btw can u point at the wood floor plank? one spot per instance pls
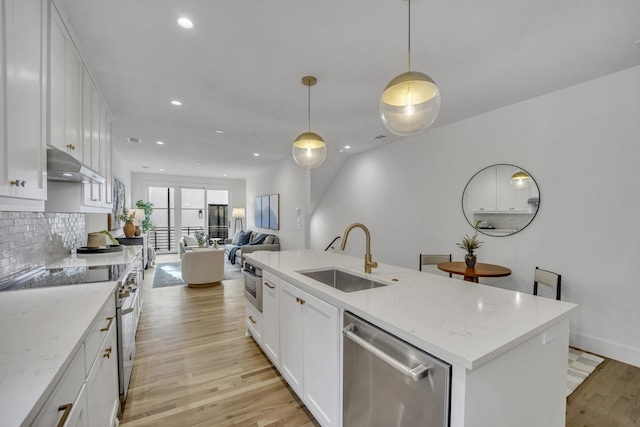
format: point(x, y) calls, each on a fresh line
point(194, 365)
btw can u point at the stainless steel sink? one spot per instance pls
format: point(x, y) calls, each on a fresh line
point(341, 280)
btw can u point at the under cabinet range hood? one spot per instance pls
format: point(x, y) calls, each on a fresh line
point(65, 168)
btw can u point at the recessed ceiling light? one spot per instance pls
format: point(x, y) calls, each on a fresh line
point(160, 142)
point(224, 174)
point(256, 154)
point(176, 102)
point(341, 151)
point(347, 147)
point(161, 170)
point(185, 22)
point(219, 131)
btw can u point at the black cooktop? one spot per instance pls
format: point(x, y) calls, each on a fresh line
point(47, 277)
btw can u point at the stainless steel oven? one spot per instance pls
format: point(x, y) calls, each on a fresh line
point(253, 285)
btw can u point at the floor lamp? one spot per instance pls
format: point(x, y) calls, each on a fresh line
point(238, 214)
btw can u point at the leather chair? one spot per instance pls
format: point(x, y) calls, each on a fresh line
point(203, 268)
point(426, 259)
point(547, 278)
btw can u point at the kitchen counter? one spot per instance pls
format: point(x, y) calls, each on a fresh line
point(40, 329)
point(465, 324)
point(126, 256)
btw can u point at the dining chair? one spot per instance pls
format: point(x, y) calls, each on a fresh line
point(547, 278)
point(430, 259)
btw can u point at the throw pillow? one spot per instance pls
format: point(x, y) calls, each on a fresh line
point(234, 241)
point(269, 240)
point(190, 240)
point(244, 238)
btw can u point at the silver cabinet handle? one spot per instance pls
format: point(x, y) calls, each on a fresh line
point(126, 311)
point(416, 374)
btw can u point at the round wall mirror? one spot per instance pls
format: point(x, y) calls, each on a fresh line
point(501, 200)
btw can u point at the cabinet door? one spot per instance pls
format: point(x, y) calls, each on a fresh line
point(482, 191)
point(102, 384)
point(87, 117)
point(270, 317)
point(511, 199)
point(23, 158)
point(291, 336)
point(57, 67)
point(73, 101)
point(321, 360)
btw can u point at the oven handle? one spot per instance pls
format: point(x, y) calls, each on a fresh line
point(416, 374)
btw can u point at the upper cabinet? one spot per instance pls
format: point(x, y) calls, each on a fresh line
point(65, 89)
point(23, 90)
point(79, 121)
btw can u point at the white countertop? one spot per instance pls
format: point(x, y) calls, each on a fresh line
point(460, 322)
point(126, 256)
point(40, 329)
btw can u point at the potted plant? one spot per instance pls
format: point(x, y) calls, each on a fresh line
point(470, 244)
point(129, 229)
point(201, 238)
point(146, 223)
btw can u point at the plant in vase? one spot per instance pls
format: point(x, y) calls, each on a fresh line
point(128, 218)
point(470, 244)
point(146, 223)
point(201, 238)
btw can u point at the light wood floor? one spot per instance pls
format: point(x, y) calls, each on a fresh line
point(195, 367)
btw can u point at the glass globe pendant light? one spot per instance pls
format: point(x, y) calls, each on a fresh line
point(309, 149)
point(520, 180)
point(411, 101)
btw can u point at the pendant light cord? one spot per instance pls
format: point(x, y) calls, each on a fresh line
point(409, 38)
point(309, 108)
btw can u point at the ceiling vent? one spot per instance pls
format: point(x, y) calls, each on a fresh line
point(134, 140)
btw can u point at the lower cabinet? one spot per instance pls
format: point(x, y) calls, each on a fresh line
point(310, 351)
point(253, 321)
point(271, 317)
point(102, 383)
point(87, 394)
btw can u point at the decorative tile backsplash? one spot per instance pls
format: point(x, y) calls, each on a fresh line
point(29, 239)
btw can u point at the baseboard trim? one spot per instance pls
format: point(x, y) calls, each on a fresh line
point(605, 348)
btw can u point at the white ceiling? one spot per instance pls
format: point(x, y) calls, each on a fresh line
point(239, 68)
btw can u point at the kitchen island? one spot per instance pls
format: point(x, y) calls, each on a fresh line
point(507, 349)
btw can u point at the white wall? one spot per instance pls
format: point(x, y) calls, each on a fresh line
point(292, 183)
point(581, 144)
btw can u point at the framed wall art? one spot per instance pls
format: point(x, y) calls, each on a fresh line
point(274, 211)
point(267, 213)
point(118, 204)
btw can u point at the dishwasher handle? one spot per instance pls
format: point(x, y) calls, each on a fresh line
point(416, 374)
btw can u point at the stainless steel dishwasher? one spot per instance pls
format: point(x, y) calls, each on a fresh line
point(388, 382)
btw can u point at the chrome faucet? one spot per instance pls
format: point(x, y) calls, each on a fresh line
point(368, 264)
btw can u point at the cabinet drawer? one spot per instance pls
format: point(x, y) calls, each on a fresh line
point(253, 319)
point(269, 279)
point(65, 394)
point(103, 399)
point(98, 332)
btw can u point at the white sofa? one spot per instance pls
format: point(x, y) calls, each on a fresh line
point(271, 243)
point(202, 268)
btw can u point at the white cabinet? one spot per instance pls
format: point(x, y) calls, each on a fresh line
point(65, 89)
point(481, 192)
point(88, 394)
point(102, 383)
point(310, 351)
point(270, 317)
point(253, 321)
point(23, 90)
